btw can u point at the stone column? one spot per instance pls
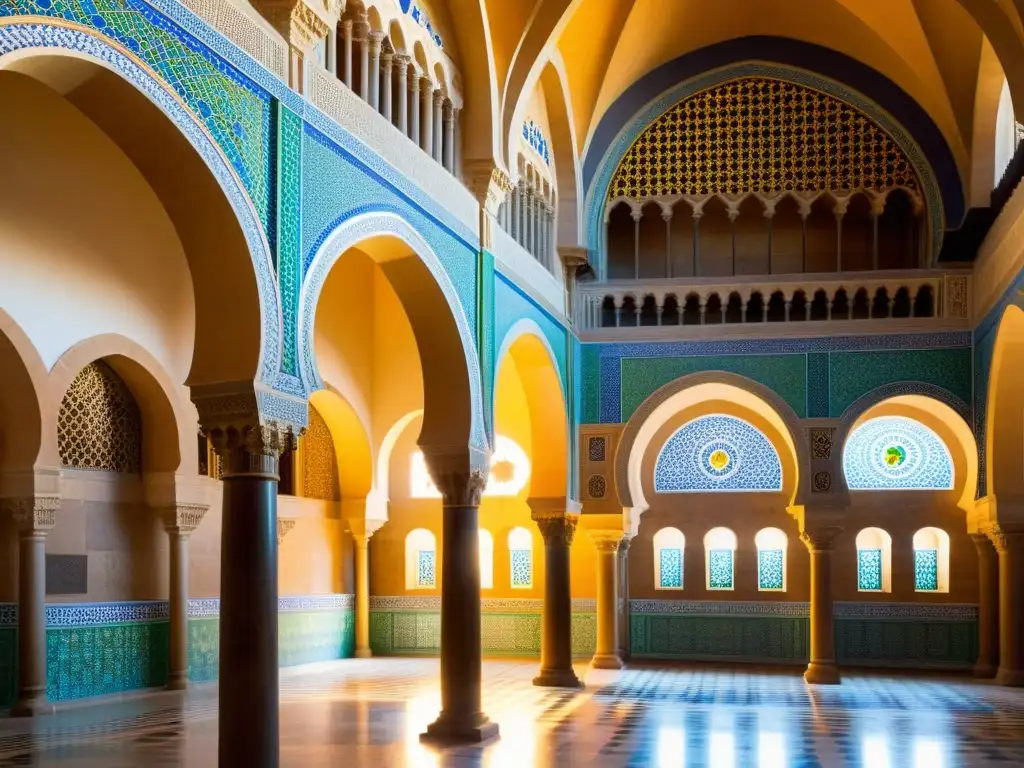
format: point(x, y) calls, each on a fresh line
point(376, 38)
point(988, 606)
point(449, 143)
point(557, 527)
point(34, 516)
point(414, 108)
point(248, 724)
point(1010, 546)
point(437, 149)
point(386, 62)
point(346, 37)
point(822, 668)
point(518, 198)
point(623, 586)
point(331, 54)
point(461, 718)
point(402, 62)
point(528, 216)
point(361, 530)
point(426, 115)
point(362, 32)
point(606, 655)
point(179, 522)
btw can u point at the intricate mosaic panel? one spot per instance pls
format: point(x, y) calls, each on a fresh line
point(907, 642)
point(869, 570)
point(425, 576)
point(320, 479)
point(522, 567)
point(720, 569)
point(894, 452)
point(746, 638)
point(760, 134)
point(926, 570)
point(596, 487)
point(288, 230)
point(717, 453)
point(99, 425)
point(670, 568)
point(596, 448)
point(771, 569)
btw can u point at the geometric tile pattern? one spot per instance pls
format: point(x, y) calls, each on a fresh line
point(869, 570)
point(522, 567)
point(917, 644)
point(288, 230)
point(425, 574)
point(671, 568)
point(99, 425)
point(926, 570)
point(720, 569)
point(746, 638)
point(770, 569)
point(894, 452)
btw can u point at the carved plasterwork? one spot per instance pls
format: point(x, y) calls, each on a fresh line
point(606, 541)
point(556, 528)
point(820, 539)
point(183, 519)
point(489, 184)
point(302, 25)
point(821, 442)
point(33, 514)
point(284, 525)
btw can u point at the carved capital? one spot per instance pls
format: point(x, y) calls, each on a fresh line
point(1007, 541)
point(300, 24)
point(606, 541)
point(983, 544)
point(362, 529)
point(821, 539)
point(182, 519)
point(459, 474)
point(376, 38)
point(34, 515)
point(284, 525)
point(488, 183)
point(449, 111)
point(557, 528)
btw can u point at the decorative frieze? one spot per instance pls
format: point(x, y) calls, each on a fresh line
point(383, 604)
point(183, 519)
point(909, 611)
point(32, 514)
point(720, 608)
point(209, 607)
point(97, 614)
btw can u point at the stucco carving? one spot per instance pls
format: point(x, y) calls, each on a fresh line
point(284, 526)
point(33, 515)
point(820, 539)
point(183, 519)
point(557, 528)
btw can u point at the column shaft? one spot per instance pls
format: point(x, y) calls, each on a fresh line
point(449, 144)
point(606, 655)
point(32, 699)
point(387, 62)
point(1010, 546)
point(177, 678)
point(414, 108)
point(374, 42)
point(556, 629)
point(346, 36)
point(988, 607)
point(403, 94)
point(822, 668)
point(362, 597)
point(623, 607)
point(426, 115)
point(364, 62)
point(528, 242)
point(438, 147)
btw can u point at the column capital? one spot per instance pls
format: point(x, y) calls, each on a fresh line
point(605, 540)
point(183, 518)
point(284, 525)
point(34, 515)
point(488, 182)
point(820, 538)
point(572, 256)
point(346, 29)
point(624, 545)
point(449, 112)
point(1007, 540)
point(301, 25)
point(438, 97)
point(386, 61)
point(362, 529)
point(426, 83)
point(983, 544)
point(414, 82)
point(376, 38)
point(556, 523)
point(459, 474)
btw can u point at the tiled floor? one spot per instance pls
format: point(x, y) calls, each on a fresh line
point(371, 712)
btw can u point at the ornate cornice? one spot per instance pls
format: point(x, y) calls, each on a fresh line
point(183, 519)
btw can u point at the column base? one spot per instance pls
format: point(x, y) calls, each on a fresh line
point(557, 678)
point(178, 681)
point(606, 661)
point(822, 674)
point(363, 653)
point(451, 730)
point(984, 670)
point(1010, 677)
point(32, 708)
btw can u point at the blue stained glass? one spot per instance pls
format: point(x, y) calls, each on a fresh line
point(770, 572)
point(720, 569)
point(670, 568)
point(522, 567)
point(926, 570)
point(425, 576)
point(894, 452)
point(869, 570)
point(717, 453)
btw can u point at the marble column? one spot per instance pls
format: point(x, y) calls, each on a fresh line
point(988, 606)
point(623, 606)
point(528, 216)
point(375, 40)
point(248, 723)
point(822, 668)
point(458, 144)
point(606, 656)
point(426, 115)
point(362, 530)
point(386, 63)
point(34, 516)
point(1010, 546)
point(414, 107)
point(362, 33)
point(346, 37)
point(518, 197)
point(462, 718)
point(438, 148)
point(180, 520)
point(402, 63)
point(558, 529)
point(331, 54)
point(449, 140)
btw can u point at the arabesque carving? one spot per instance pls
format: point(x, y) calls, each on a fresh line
point(33, 514)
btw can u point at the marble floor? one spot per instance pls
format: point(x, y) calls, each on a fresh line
point(371, 712)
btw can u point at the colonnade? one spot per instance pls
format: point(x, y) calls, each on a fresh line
point(392, 83)
point(529, 217)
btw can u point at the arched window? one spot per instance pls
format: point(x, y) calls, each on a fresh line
point(420, 560)
point(717, 453)
point(874, 561)
point(669, 545)
point(509, 474)
point(719, 548)
point(486, 559)
point(771, 560)
point(931, 560)
point(520, 550)
point(896, 453)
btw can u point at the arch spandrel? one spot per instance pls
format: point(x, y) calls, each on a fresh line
point(23, 387)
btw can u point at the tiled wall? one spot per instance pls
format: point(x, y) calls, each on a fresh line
point(907, 635)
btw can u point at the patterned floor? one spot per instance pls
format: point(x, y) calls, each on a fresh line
point(371, 712)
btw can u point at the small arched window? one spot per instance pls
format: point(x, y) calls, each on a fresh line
point(520, 551)
point(931, 560)
point(771, 560)
point(719, 551)
point(669, 545)
point(420, 560)
point(874, 561)
point(486, 559)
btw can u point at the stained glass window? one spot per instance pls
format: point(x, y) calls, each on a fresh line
point(720, 569)
point(894, 452)
point(425, 575)
point(770, 569)
point(926, 570)
point(717, 453)
point(671, 571)
point(522, 568)
point(869, 570)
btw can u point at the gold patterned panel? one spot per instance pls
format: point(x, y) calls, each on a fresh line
point(760, 135)
point(320, 460)
point(99, 425)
